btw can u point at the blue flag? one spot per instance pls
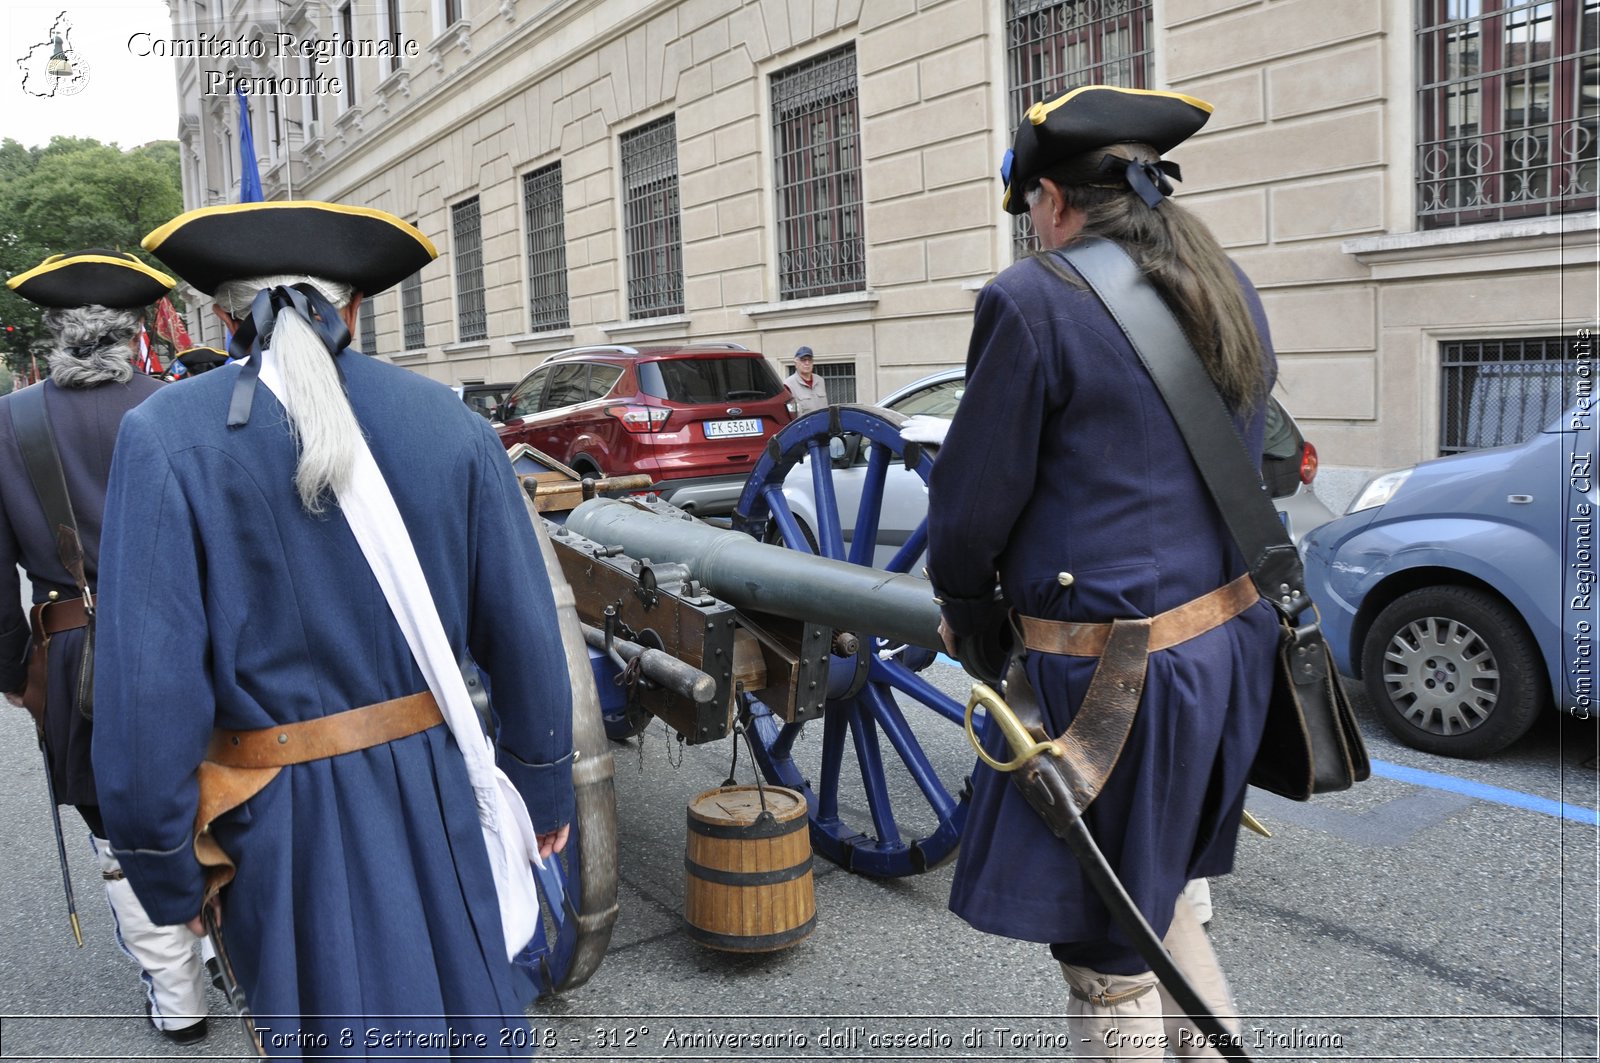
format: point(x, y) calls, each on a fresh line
point(249, 174)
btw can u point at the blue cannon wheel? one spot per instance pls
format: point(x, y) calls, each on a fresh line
point(879, 805)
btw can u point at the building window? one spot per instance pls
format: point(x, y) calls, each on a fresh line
point(414, 334)
point(472, 322)
point(275, 114)
point(368, 324)
point(650, 219)
point(391, 11)
point(347, 28)
point(452, 12)
point(547, 248)
point(816, 139)
point(841, 380)
point(1507, 109)
point(1498, 392)
point(313, 111)
point(1057, 45)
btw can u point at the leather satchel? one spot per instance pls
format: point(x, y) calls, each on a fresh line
point(1311, 743)
point(37, 443)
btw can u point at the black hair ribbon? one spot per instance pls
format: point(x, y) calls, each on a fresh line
point(1147, 179)
point(255, 332)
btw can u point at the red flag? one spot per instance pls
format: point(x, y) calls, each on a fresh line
point(148, 362)
point(169, 326)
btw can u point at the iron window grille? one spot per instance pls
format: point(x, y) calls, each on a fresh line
point(1508, 99)
point(392, 17)
point(347, 26)
point(1056, 45)
point(840, 378)
point(543, 211)
point(816, 137)
point(369, 327)
point(1499, 392)
point(472, 321)
point(414, 332)
point(650, 219)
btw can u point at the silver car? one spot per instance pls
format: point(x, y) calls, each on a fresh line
point(1288, 466)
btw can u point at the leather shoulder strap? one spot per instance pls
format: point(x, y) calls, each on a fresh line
point(37, 443)
point(1229, 472)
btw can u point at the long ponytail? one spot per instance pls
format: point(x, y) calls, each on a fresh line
point(324, 426)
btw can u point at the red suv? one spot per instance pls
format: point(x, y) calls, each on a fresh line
point(694, 416)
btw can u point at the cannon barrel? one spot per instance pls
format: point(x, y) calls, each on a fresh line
point(765, 578)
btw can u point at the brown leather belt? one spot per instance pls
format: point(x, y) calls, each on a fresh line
point(63, 614)
point(239, 764)
point(1093, 741)
point(1168, 629)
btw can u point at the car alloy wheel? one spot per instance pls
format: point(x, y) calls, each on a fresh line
point(1453, 670)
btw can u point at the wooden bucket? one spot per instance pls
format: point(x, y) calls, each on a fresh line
point(749, 885)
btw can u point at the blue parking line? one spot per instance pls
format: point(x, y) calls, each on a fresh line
point(1484, 792)
point(1434, 780)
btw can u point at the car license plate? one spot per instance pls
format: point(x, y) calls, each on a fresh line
point(746, 426)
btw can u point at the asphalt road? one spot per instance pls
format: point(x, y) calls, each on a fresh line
point(1449, 916)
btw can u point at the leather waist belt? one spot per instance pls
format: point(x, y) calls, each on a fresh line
point(1168, 629)
point(329, 736)
point(63, 614)
point(239, 764)
point(1093, 741)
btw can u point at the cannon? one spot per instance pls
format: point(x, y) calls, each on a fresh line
point(769, 626)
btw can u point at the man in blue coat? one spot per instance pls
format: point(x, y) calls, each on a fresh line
point(94, 303)
point(362, 917)
point(1065, 477)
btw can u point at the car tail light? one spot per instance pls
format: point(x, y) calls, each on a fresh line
point(1308, 464)
point(640, 420)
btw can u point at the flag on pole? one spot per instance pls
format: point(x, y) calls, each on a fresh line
point(169, 325)
point(148, 362)
point(249, 173)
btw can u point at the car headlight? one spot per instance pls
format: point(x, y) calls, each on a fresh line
point(1379, 490)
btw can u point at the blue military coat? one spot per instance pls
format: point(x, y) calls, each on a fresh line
point(84, 422)
point(1065, 458)
point(364, 892)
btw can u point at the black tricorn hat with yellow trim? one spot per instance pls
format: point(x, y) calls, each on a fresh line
point(1055, 132)
point(199, 359)
point(92, 277)
point(368, 249)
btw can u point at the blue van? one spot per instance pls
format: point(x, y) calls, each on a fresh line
point(1461, 591)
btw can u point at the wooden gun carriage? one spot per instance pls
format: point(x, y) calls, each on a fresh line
point(764, 627)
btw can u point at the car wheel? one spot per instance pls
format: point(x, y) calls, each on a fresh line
point(587, 469)
point(1453, 671)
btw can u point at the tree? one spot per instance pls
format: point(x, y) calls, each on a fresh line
point(72, 194)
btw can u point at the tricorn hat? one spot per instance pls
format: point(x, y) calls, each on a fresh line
point(1094, 116)
point(199, 359)
point(92, 277)
point(368, 249)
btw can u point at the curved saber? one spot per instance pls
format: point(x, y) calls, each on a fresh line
point(1038, 771)
point(230, 984)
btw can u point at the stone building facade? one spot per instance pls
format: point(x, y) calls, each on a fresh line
point(1410, 183)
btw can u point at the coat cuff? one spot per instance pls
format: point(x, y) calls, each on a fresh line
point(171, 885)
point(14, 643)
point(545, 788)
point(968, 616)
